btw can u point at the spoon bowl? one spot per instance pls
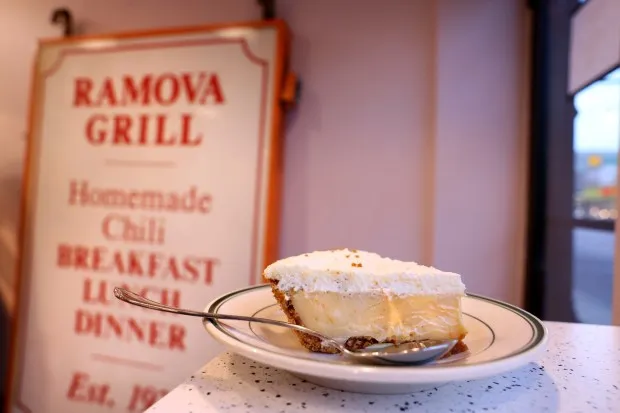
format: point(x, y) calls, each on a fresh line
point(408, 353)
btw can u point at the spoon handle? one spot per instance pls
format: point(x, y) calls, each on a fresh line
point(135, 299)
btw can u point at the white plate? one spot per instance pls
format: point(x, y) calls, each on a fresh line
point(501, 338)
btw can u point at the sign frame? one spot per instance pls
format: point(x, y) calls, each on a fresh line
point(281, 97)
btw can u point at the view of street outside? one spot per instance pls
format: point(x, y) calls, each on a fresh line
point(596, 142)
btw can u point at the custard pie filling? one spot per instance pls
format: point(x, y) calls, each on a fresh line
point(385, 318)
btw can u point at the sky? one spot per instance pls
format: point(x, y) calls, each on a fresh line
point(597, 124)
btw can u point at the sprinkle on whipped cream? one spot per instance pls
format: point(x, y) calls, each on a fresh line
point(355, 271)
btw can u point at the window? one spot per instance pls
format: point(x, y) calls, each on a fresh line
point(595, 144)
point(596, 137)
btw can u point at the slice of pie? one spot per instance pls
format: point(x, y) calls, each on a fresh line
point(361, 299)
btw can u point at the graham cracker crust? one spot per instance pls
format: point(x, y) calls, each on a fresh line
point(313, 343)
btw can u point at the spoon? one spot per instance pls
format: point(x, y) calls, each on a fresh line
point(410, 353)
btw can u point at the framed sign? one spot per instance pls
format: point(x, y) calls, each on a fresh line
point(153, 163)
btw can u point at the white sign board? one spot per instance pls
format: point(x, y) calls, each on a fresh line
point(153, 164)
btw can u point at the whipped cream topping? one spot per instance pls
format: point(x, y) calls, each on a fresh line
point(355, 271)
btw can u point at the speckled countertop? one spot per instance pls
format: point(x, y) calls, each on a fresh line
point(580, 372)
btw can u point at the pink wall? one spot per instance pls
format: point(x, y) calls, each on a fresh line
point(355, 148)
point(480, 151)
point(406, 142)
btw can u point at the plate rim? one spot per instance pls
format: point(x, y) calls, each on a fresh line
point(386, 374)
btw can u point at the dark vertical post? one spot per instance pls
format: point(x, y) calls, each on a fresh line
point(535, 261)
point(550, 208)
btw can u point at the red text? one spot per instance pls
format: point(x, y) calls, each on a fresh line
point(101, 292)
point(117, 227)
point(156, 334)
point(165, 89)
point(141, 130)
point(191, 201)
point(143, 397)
point(82, 389)
point(141, 264)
